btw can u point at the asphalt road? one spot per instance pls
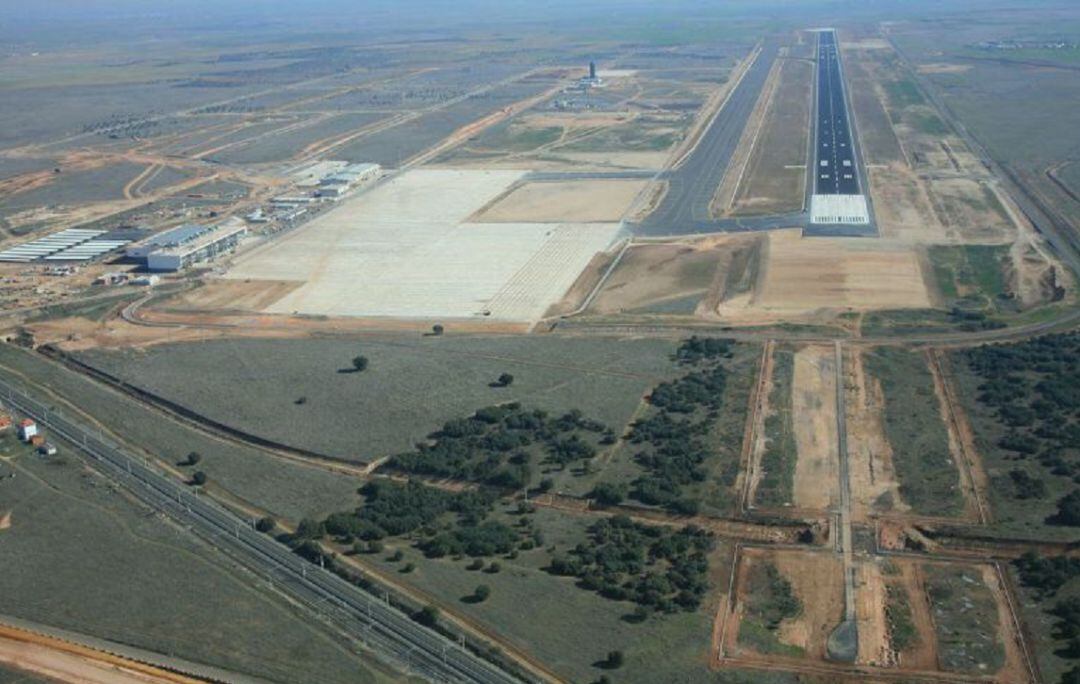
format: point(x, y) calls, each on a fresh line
point(382, 628)
point(691, 186)
point(834, 164)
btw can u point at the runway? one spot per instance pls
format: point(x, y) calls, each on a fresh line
point(684, 210)
point(685, 207)
point(834, 164)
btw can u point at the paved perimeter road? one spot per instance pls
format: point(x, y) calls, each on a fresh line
point(384, 629)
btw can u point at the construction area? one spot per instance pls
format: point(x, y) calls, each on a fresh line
point(406, 250)
point(708, 353)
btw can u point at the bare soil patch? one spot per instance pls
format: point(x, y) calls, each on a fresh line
point(817, 579)
point(813, 405)
point(804, 275)
point(653, 274)
point(61, 666)
point(234, 295)
point(588, 201)
point(874, 485)
point(584, 285)
point(870, 600)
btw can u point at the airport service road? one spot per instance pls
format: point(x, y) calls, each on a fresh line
point(382, 628)
point(692, 185)
point(834, 164)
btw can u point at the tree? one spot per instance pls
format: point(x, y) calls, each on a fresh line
point(614, 660)
point(193, 458)
point(493, 568)
point(505, 380)
point(266, 524)
point(1068, 510)
point(607, 494)
point(199, 478)
point(481, 593)
point(437, 329)
point(427, 616)
point(359, 363)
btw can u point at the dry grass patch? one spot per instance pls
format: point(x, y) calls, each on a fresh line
point(590, 201)
point(805, 275)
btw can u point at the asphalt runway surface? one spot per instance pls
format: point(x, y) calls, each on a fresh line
point(836, 172)
point(691, 186)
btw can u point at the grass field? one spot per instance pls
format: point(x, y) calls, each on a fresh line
point(566, 627)
point(775, 173)
point(284, 488)
point(971, 275)
point(929, 480)
point(781, 452)
point(965, 619)
point(76, 187)
point(79, 555)
point(410, 388)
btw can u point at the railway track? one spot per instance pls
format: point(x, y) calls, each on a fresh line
point(382, 628)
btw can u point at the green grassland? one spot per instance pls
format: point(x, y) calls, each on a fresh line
point(635, 136)
point(281, 487)
point(566, 627)
point(971, 276)
point(769, 601)
point(929, 480)
point(686, 457)
point(82, 556)
point(965, 619)
point(411, 387)
point(778, 461)
point(975, 288)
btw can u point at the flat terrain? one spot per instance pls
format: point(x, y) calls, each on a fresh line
point(774, 181)
point(247, 477)
point(926, 465)
point(402, 250)
point(566, 627)
point(596, 201)
point(802, 275)
point(153, 586)
point(410, 388)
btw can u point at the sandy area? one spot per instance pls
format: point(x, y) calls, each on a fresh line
point(238, 295)
point(68, 667)
point(652, 274)
point(923, 654)
point(583, 201)
point(966, 208)
point(818, 581)
point(865, 44)
point(5, 520)
point(873, 479)
point(901, 205)
point(813, 410)
point(870, 615)
point(804, 275)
